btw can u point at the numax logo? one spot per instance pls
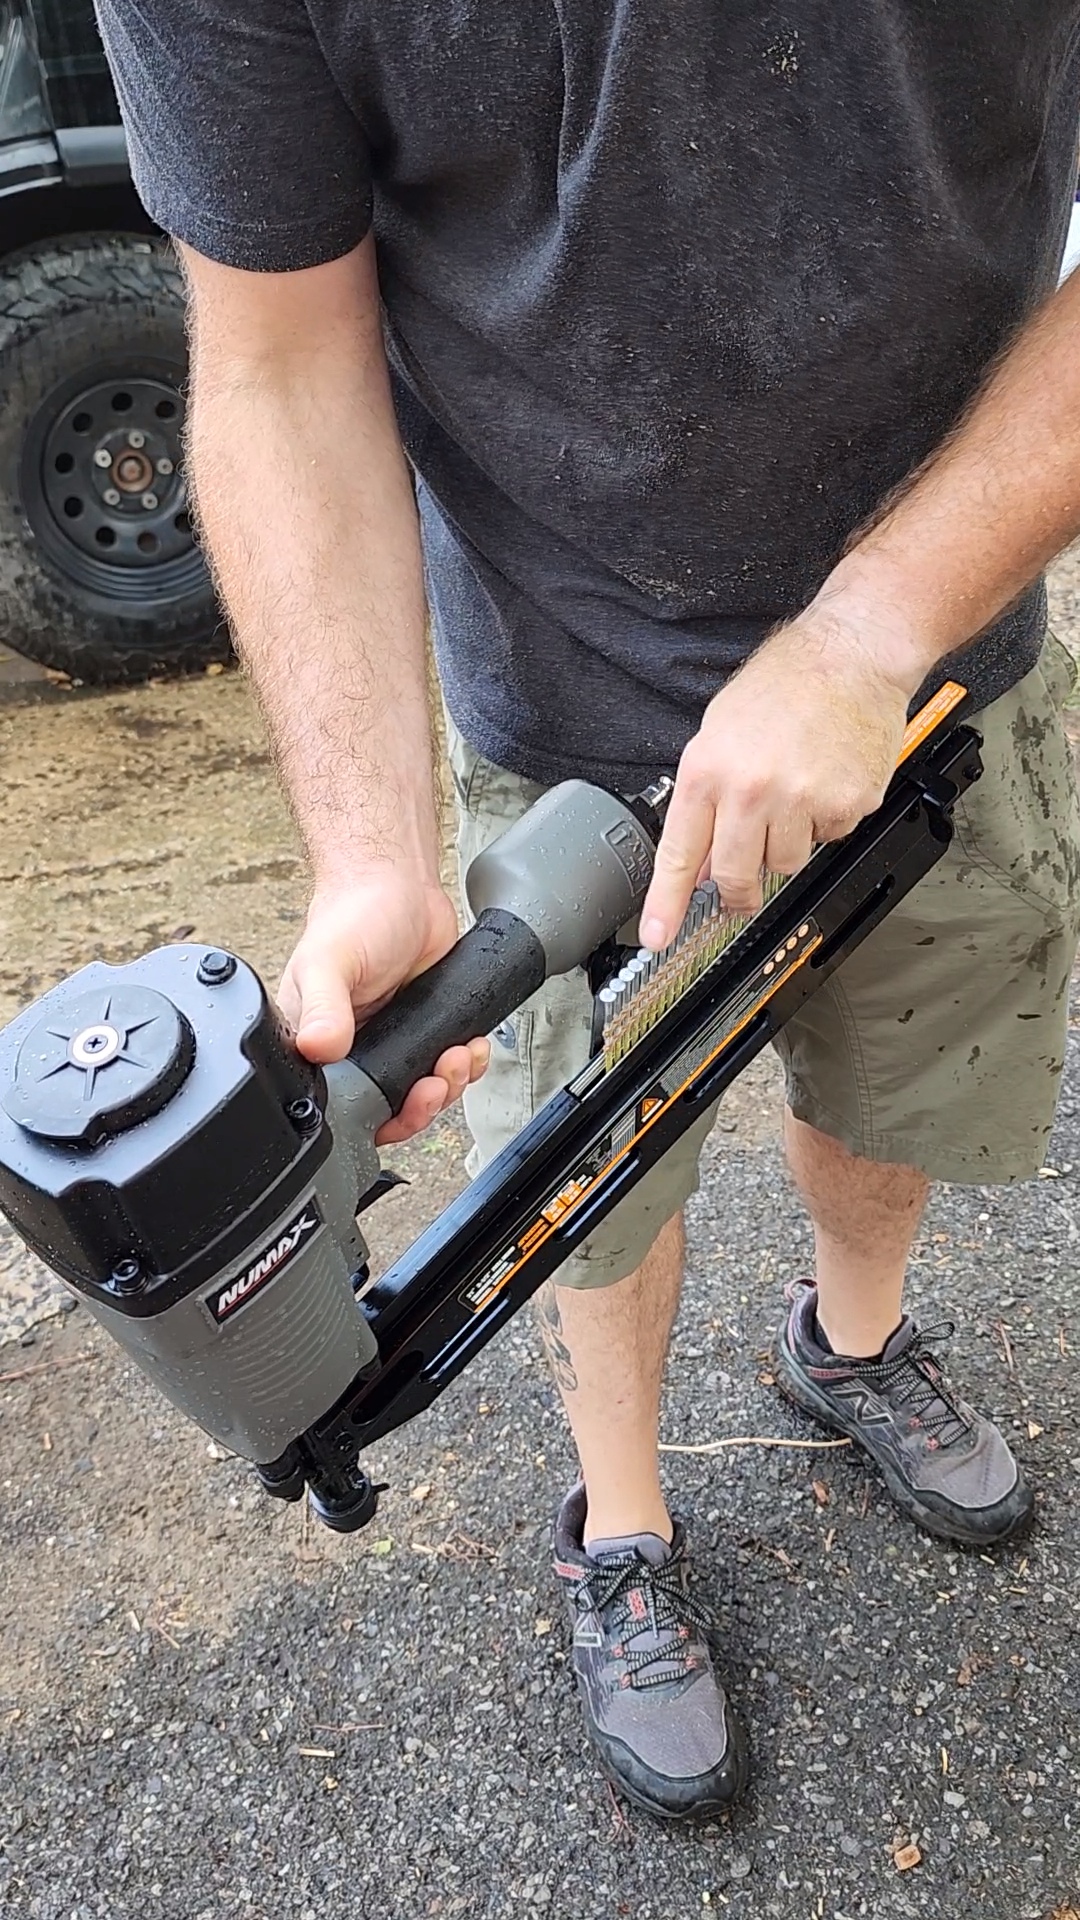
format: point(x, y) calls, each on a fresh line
point(270, 1261)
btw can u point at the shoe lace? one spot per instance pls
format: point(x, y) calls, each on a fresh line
point(671, 1614)
point(914, 1381)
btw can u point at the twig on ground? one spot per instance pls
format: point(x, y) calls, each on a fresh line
point(1006, 1347)
point(745, 1440)
point(623, 1829)
point(49, 1366)
point(351, 1726)
point(759, 1545)
point(457, 1546)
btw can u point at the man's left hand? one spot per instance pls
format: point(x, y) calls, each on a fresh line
point(796, 749)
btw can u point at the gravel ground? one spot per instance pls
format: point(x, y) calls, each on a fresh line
point(211, 1709)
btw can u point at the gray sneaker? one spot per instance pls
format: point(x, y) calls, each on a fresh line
point(655, 1711)
point(945, 1466)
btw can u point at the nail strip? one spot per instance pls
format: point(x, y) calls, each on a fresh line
point(650, 983)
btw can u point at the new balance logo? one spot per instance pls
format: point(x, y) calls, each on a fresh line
point(865, 1406)
point(269, 1262)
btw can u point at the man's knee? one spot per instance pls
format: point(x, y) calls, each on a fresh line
point(844, 1190)
point(609, 1285)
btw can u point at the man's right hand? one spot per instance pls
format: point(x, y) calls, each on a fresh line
point(363, 940)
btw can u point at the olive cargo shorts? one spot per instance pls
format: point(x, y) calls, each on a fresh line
point(939, 1042)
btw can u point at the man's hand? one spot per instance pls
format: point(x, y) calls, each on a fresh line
point(796, 749)
point(800, 745)
point(362, 942)
point(324, 583)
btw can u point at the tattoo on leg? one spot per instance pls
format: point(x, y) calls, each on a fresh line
point(551, 1332)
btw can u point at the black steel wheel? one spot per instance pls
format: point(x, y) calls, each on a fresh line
point(100, 573)
point(103, 486)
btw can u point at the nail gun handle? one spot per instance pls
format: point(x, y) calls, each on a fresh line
point(483, 979)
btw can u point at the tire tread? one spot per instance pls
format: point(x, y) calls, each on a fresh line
point(41, 615)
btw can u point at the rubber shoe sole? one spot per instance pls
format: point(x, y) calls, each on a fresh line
point(996, 1524)
point(705, 1807)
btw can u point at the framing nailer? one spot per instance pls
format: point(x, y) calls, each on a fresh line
point(168, 1152)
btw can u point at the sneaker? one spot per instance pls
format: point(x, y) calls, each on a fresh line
point(946, 1467)
point(655, 1711)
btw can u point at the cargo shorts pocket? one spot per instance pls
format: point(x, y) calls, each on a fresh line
point(498, 1105)
point(487, 795)
point(467, 769)
point(1059, 670)
point(1021, 823)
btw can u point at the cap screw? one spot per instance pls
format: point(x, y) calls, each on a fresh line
point(111, 497)
point(149, 501)
point(102, 457)
point(164, 466)
point(127, 1275)
point(304, 1114)
point(215, 968)
point(136, 439)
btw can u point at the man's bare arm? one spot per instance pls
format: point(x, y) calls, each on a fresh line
point(801, 743)
point(988, 512)
point(306, 503)
point(307, 509)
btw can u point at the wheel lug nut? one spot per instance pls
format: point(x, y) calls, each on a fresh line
point(111, 497)
point(164, 466)
point(102, 457)
point(149, 501)
point(136, 439)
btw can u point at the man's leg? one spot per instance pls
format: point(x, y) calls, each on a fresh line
point(865, 1215)
point(607, 1347)
point(937, 1045)
point(654, 1705)
point(850, 1356)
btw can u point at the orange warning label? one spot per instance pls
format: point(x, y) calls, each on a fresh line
point(937, 709)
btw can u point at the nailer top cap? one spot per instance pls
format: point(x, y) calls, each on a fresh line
point(98, 1062)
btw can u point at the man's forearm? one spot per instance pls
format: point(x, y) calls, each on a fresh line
point(985, 515)
point(308, 513)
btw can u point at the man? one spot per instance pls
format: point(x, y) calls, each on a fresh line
point(686, 309)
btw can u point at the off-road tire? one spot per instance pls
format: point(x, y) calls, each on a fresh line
point(103, 307)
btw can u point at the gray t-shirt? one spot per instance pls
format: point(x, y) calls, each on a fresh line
point(676, 292)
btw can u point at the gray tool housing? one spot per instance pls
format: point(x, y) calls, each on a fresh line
point(165, 1148)
point(574, 868)
point(284, 1355)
